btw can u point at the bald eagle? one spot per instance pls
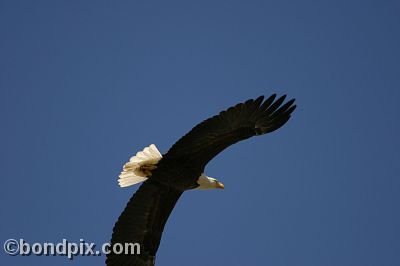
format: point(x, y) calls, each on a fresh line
point(182, 168)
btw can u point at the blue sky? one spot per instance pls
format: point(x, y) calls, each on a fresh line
point(86, 84)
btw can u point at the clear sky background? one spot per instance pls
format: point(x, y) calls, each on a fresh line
point(86, 84)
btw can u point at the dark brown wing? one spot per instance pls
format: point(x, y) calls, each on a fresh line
point(242, 121)
point(143, 222)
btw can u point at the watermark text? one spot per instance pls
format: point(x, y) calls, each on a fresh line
point(21, 247)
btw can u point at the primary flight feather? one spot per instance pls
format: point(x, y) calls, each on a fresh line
point(167, 176)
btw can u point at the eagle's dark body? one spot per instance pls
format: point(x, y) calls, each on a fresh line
point(146, 213)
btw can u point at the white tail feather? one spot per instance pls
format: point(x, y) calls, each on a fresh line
point(131, 173)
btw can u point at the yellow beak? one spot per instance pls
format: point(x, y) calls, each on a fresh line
point(219, 185)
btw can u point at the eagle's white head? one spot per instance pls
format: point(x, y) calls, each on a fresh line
point(206, 182)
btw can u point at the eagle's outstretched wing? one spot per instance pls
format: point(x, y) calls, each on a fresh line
point(239, 122)
point(143, 222)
